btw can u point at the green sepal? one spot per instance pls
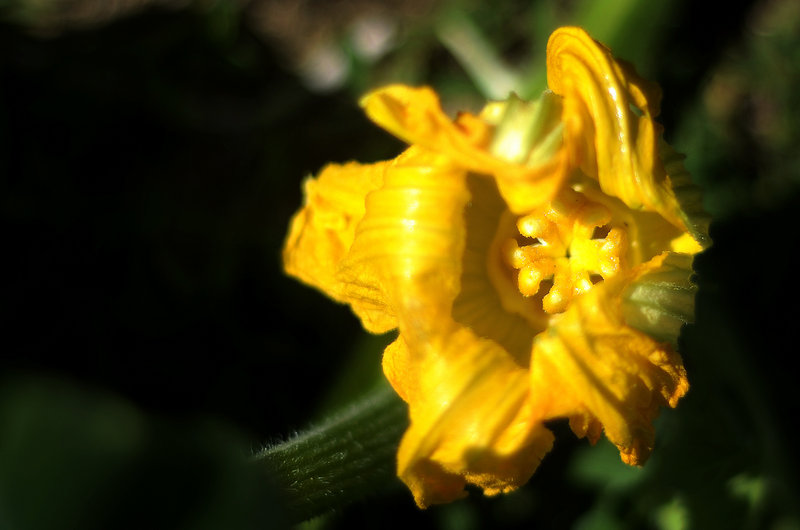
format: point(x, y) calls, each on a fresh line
point(661, 301)
point(688, 194)
point(529, 132)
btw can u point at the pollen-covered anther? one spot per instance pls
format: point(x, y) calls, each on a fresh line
point(529, 280)
point(573, 247)
point(534, 226)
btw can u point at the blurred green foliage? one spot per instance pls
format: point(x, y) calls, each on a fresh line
point(150, 160)
point(77, 458)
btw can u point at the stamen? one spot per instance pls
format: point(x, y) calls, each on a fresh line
point(529, 279)
point(573, 246)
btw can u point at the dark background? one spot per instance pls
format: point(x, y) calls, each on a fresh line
point(149, 164)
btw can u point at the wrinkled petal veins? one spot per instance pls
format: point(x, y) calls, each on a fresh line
point(609, 113)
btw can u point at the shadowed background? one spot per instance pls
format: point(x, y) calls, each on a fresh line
point(151, 155)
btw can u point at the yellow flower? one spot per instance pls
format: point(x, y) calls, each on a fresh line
point(535, 258)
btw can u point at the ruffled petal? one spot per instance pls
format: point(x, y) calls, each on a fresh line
point(470, 419)
point(322, 232)
point(593, 368)
point(409, 245)
point(609, 114)
point(416, 116)
point(489, 302)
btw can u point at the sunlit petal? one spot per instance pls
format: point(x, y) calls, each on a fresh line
point(416, 116)
point(594, 369)
point(409, 244)
point(322, 232)
point(609, 112)
point(463, 430)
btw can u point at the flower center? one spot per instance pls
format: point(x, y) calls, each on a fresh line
point(563, 249)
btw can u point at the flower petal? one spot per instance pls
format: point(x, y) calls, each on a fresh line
point(594, 369)
point(470, 421)
point(408, 246)
point(416, 116)
point(322, 232)
point(489, 302)
point(609, 113)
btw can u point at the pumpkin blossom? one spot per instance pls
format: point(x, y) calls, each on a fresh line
point(535, 258)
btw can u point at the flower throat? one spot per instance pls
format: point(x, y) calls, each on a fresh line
point(567, 245)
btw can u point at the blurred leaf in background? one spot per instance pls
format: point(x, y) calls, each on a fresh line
point(73, 458)
point(151, 154)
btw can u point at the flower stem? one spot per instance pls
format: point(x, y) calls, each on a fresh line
point(346, 458)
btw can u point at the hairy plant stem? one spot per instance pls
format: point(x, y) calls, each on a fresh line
point(344, 459)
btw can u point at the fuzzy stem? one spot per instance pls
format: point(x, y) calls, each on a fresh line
point(346, 458)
